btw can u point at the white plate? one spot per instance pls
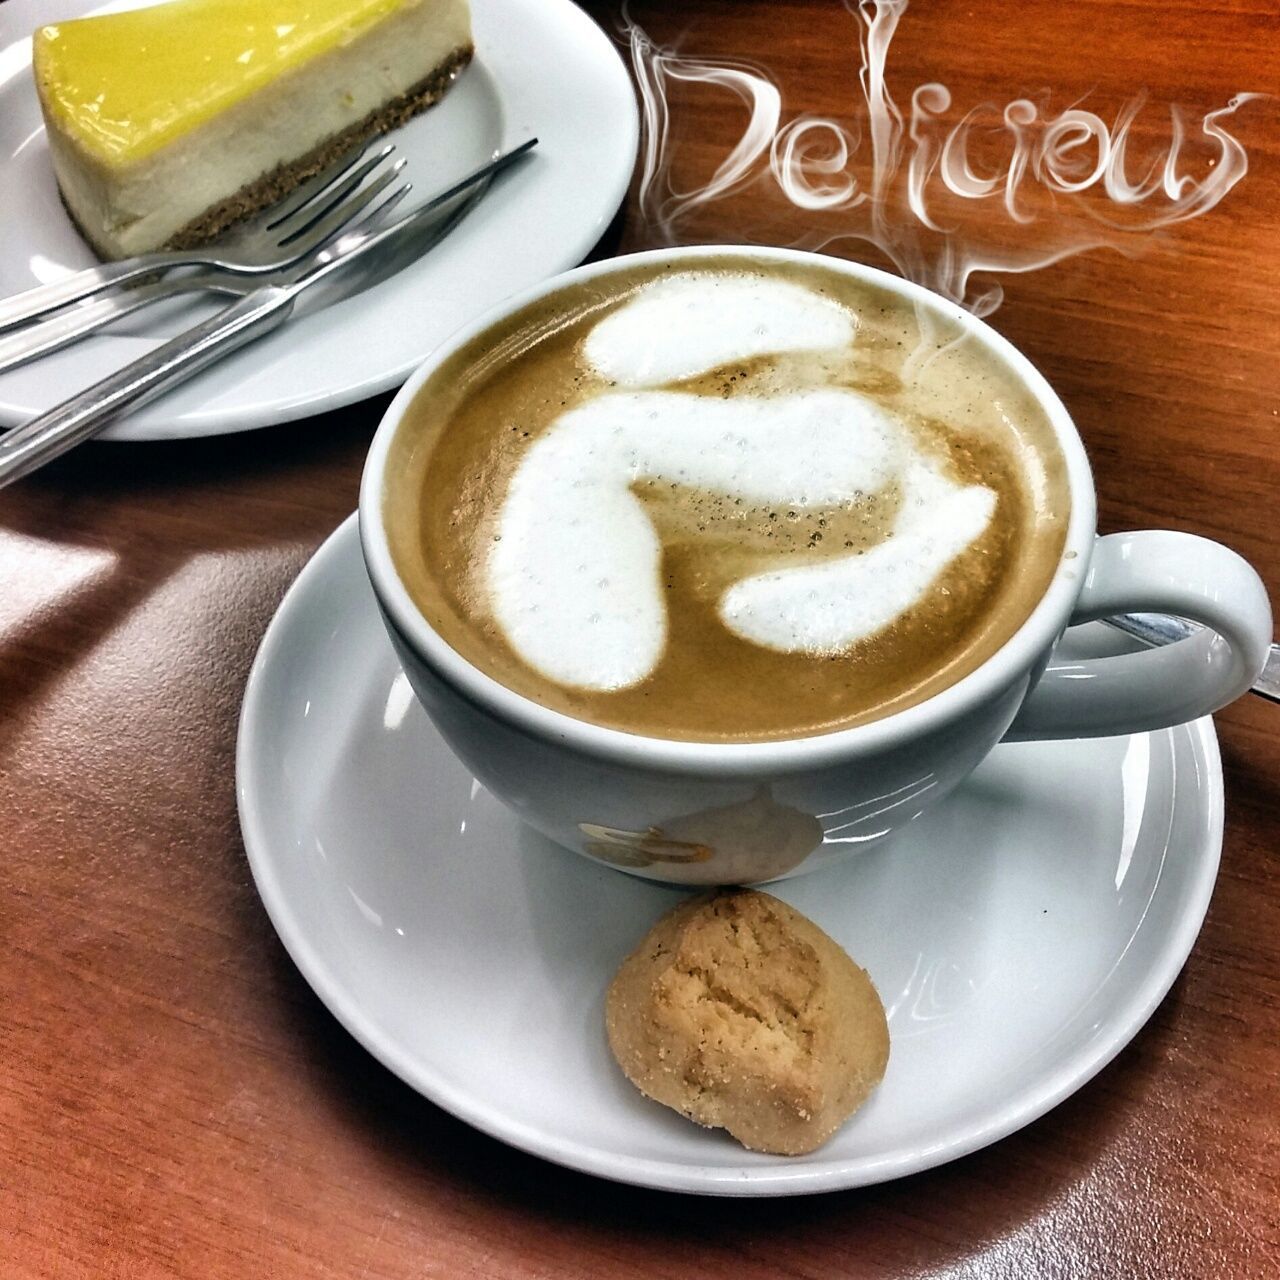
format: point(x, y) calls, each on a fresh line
point(542, 66)
point(1019, 935)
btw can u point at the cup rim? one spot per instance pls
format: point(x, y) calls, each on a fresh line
point(1019, 653)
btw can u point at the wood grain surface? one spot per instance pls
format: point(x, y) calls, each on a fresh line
point(174, 1101)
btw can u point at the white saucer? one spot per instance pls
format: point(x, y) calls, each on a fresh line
point(542, 66)
point(1020, 936)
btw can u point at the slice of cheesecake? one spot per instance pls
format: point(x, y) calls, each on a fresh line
point(168, 124)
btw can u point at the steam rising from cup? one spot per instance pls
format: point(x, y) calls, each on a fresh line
point(1052, 185)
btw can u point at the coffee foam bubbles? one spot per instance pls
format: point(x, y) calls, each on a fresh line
point(689, 323)
point(574, 573)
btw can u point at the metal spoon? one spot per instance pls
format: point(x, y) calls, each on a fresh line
point(1157, 629)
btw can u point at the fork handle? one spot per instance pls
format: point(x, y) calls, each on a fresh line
point(36, 442)
point(22, 308)
point(70, 324)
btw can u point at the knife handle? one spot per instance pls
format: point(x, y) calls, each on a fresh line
point(31, 445)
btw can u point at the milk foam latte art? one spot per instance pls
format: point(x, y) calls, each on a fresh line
point(574, 573)
point(705, 503)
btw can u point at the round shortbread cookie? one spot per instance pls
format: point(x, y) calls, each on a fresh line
point(743, 1015)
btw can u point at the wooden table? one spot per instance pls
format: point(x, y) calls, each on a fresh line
point(174, 1101)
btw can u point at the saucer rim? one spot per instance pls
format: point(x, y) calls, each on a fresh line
point(770, 1180)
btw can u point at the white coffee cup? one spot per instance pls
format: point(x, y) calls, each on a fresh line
point(717, 813)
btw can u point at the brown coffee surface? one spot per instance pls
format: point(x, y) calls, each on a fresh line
point(468, 428)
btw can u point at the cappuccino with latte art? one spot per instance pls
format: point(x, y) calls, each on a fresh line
point(706, 501)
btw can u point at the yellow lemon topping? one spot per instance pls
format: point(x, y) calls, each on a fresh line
point(125, 84)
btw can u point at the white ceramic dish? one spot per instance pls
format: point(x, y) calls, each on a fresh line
point(1020, 935)
point(542, 66)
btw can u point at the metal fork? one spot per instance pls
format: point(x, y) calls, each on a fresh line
point(280, 236)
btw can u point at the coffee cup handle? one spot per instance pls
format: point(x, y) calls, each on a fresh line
point(1155, 571)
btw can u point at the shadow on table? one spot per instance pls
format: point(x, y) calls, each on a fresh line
point(981, 1199)
point(138, 513)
